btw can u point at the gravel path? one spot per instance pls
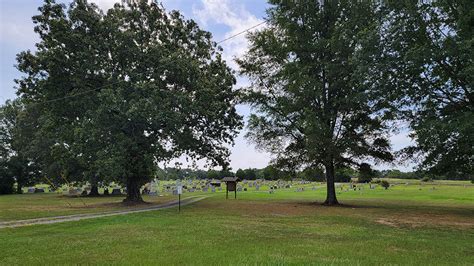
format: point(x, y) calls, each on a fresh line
point(78, 217)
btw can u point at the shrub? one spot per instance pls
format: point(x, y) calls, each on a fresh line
point(426, 179)
point(385, 184)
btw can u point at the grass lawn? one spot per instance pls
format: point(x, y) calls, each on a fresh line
point(402, 225)
point(27, 206)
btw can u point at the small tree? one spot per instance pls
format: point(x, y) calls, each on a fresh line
point(385, 184)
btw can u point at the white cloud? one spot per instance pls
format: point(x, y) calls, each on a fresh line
point(232, 15)
point(105, 4)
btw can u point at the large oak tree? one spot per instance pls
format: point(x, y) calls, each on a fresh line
point(130, 88)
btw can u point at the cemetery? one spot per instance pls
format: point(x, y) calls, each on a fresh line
point(280, 222)
point(229, 132)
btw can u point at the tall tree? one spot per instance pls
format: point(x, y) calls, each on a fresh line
point(16, 131)
point(430, 55)
point(133, 87)
point(310, 89)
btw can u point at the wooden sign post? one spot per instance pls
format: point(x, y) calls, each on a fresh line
point(231, 185)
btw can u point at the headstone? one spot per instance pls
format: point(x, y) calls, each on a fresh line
point(257, 187)
point(213, 189)
point(74, 191)
point(31, 190)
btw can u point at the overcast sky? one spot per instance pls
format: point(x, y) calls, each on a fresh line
point(223, 18)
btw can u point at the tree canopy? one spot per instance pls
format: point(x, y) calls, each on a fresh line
point(429, 58)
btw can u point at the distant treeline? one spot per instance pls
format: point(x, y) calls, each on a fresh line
point(311, 174)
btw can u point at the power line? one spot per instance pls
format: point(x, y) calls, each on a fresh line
point(244, 31)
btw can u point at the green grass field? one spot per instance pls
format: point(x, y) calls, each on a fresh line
point(407, 224)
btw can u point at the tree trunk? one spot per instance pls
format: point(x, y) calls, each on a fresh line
point(94, 190)
point(19, 189)
point(331, 190)
point(133, 191)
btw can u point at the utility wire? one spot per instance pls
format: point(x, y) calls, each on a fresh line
point(244, 31)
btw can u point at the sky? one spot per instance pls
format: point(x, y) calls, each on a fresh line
point(223, 18)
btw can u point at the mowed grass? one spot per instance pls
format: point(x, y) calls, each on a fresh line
point(402, 225)
point(28, 206)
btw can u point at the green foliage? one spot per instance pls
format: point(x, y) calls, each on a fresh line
point(250, 173)
point(213, 174)
point(344, 175)
point(429, 52)
point(313, 174)
point(271, 172)
point(426, 179)
point(6, 182)
point(393, 173)
point(385, 184)
point(365, 173)
point(310, 86)
point(17, 161)
point(240, 174)
point(154, 87)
